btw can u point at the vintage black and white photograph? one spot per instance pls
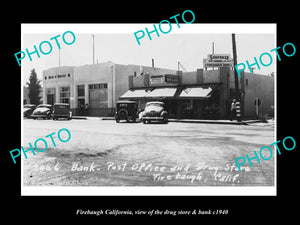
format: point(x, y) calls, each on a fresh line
point(118, 109)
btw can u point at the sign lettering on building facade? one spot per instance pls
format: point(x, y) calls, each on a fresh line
point(218, 60)
point(164, 79)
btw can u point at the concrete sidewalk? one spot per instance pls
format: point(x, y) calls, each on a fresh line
point(208, 121)
point(234, 122)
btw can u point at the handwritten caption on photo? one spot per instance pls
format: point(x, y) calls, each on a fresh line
point(190, 172)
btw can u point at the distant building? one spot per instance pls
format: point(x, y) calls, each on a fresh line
point(98, 85)
point(26, 99)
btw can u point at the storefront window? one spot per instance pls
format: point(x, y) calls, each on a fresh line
point(98, 95)
point(212, 110)
point(50, 96)
point(80, 90)
point(98, 86)
point(65, 94)
point(187, 108)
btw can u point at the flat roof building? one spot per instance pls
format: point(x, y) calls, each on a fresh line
point(204, 94)
point(200, 94)
point(98, 85)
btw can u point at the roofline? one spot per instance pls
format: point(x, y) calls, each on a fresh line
point(108, 62)
point(175, 86)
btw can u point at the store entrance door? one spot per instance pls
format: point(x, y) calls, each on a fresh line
point(171, 107)
point(50, 99)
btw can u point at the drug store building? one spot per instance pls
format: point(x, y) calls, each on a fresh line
point(204, 93)
point(98, 85)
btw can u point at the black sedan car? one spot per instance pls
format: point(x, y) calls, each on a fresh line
point(127, 110)
point(42, 111)
point(28, 109)
point(61, 110)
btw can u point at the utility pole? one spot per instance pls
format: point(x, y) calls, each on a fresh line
point(213, 50)
point(58, 57)
point(93, 49)
point(236, 80)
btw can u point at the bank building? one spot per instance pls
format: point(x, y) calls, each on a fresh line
point(202, 94)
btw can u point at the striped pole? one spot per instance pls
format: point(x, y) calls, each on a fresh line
point(238, 111)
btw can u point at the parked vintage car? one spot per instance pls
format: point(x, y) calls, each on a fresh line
point(28, 109)
point(42, 111)
point(127, 110)
point(155, 111)
point(61, 110)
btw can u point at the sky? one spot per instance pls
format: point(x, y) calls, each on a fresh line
point(188, 47)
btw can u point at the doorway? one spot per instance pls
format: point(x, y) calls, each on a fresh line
point(81, 103)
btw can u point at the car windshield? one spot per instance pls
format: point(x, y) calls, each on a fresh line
point(127, 105)
point(123, 105)
point(61, 106)
point(44, 106)
point(155, 104)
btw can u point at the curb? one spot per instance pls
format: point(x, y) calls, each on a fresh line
point(78, 118)
point(193, 121)
point(247, 122)
point(107, 118)
point(255, 121)
point(208, 122)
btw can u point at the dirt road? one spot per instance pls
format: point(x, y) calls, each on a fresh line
point(104, 153)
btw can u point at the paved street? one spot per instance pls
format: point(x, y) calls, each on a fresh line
point(104, 153)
